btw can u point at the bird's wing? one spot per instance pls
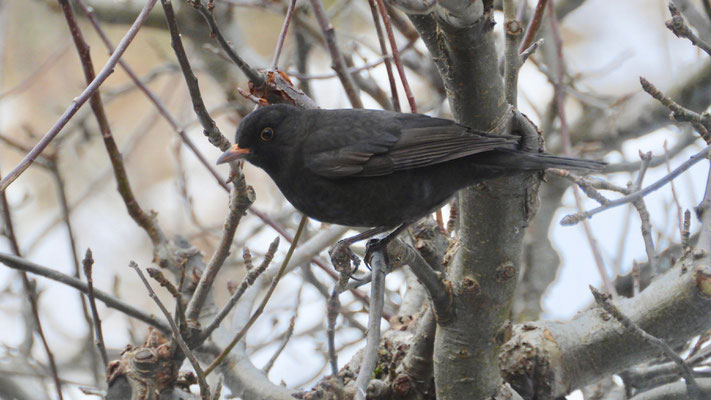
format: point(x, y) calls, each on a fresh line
point(414, 141)
point(349, 159)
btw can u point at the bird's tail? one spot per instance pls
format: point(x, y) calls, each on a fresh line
point(540, 161)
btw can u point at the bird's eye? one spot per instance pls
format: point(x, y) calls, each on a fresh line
point(267, 134)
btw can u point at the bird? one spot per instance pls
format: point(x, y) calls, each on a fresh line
point(374, 168)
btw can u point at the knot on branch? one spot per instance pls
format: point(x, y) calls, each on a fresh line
point(513, 27)
point(277, 88)
point(505, 271)
point(703, 280)
point(469, 286)
point(148, 367)
point(526, 358)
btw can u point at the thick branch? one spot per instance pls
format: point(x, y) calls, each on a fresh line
point(483, 276)
point(560, 357)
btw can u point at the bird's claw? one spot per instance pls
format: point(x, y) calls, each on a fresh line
point(342, 257)
point(373, 246)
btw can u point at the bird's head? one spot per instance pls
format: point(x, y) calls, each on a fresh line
point(263, 136)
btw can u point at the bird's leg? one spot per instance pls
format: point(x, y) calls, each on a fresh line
point(374, 245)
point(342, 255)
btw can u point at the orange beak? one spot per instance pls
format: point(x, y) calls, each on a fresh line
point(234, 153)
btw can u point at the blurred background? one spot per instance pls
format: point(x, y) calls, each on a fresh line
point(607, 47)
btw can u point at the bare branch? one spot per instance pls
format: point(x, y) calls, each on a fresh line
point(24, 265)
point(80, 100)
point(604, 302)
point(263, 304)
point(396, 55)
point(512, 59)
point(337, 59)
point(282, 35)
point(88, 264)
point(680, 29)
point(533, 25)
point(241, 198)
point(255, 76)
point(204, 388)
point(248, 280)
point(210, 128)
point(575, 218)
point(700, 122)
point(384, 51)
point(377, 292)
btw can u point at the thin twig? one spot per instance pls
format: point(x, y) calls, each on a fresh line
point(64, 207)
point(635, 278)
point(30, 290)
point(282, 35)
point(88, 264)
point(338, 62)
point(263, 304)
point(644, 217)
point(333, 308)
point(531, 49)
point(252, 275)
point(210, 128)
point(589, 187)
point(287, 335)
point(145, 220)
point(249, 96)
point(321, 288)
point(141, 84)
point(677, 203)
point(575, 218)
point(216, 395)
point(679, 27)
point(512, 58)
point(377, 292)
point(241, 198)
point(81, 99)
point(111, 301)
point(533, 26)
point(686, 371)
point(134, 139)
point(177, 336)
point(384, 52)
point(350, 70)
point(396, 55)
point(253, 75)
point(700, 122)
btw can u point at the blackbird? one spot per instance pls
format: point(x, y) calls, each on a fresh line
point(373, 168)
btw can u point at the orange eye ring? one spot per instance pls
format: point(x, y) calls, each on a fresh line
point(267, 134)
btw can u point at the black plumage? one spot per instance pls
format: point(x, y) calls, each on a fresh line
point(372, 168)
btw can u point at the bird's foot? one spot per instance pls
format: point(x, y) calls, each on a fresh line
point(373, 246)
point(342, 257)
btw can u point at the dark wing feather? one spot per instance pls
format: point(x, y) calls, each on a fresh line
point(409, 141)
point(348, 159)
